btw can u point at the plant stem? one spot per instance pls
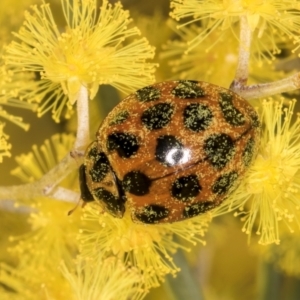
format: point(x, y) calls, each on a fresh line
point(185, 285)
point(44, 186)
point(239, 84)
point(269, 282)
point(241, 75)
point(83, 132)
point(290, 83)
point(47, 185)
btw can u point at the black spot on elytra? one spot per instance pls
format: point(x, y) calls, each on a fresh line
point(120, 118)
point(126, 144)
point(169, 150)
point(92, 154)
point(219, 149)
point(148, 93)
point(86, 195)
point(196, 209)
point(115, 205)
point(248, 152)
point(197, 117)
point(188, 89)
point(186, 188)
point(157, 116)
point(255, 119)
point(100, 167)
point(224, 183)
point(136, 183)
point(231, 114)
point(152, 214)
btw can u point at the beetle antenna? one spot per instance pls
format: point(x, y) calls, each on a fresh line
point(80, 201)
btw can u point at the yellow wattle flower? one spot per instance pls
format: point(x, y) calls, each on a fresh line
point(205, 61)
point(94, 49)
point(103, 279)
point(269, 196)
point(286, 255)
point(52, 234)
point(4, 145)
point(265, 18)
point(10, 84)
point(149, 248)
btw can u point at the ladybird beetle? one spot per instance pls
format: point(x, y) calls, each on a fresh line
point(170, 151)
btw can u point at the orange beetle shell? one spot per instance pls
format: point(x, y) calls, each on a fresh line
point(171, 151)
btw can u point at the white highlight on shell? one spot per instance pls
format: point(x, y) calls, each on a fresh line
point(185, 153)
